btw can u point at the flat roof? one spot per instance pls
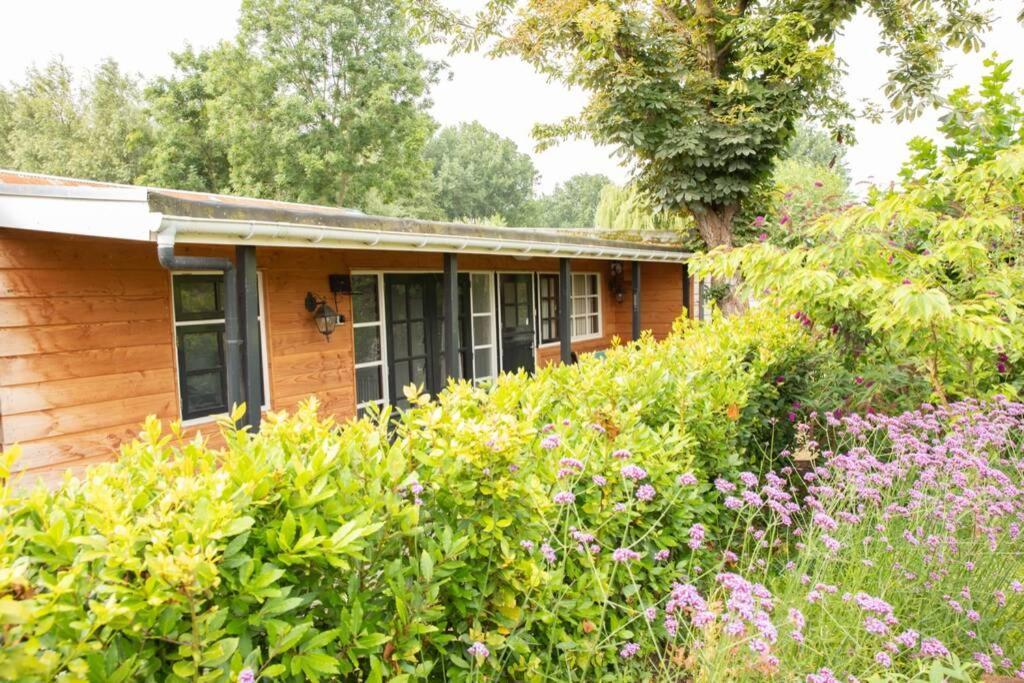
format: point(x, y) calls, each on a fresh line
point(85, 207)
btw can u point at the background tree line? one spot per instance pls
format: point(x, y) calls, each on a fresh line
point(321, 102)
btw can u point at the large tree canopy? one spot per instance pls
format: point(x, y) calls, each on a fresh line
point(320, 101)
point(478, 173)
point(702, 95)
point(97, 130)
point(571, 204)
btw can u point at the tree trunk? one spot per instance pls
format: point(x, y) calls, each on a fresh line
point(714, 223)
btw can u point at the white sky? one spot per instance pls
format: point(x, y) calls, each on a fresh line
point(505, 95)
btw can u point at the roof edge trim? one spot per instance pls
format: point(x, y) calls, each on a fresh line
point(186, 229)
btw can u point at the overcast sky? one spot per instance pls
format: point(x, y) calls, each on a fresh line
point(505, 95)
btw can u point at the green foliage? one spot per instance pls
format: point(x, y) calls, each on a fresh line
point(974, 130)
point(98, 130)
point(702, 96)
point(320, 101)
point(381, 550)
point(814, 147)
point(803, 193)
point(478, 173)
point(185, 154)
point(926, 280)
point(624, 209)
point(571, 204)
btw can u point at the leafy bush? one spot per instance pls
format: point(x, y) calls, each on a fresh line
point(926, 281)
point(514, 520)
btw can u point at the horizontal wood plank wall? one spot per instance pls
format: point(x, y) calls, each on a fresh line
point(85, 350)
point(661, 297)
point(87, 347)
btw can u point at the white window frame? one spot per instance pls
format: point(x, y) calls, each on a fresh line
point(493, 315)
point(264, 350)
point(572, 317)
point(385, 393)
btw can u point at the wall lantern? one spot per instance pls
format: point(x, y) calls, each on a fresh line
point(325, 317)
point(617, 282)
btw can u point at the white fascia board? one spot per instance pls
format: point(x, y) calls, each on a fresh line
point(122, 215)
point(188, 230)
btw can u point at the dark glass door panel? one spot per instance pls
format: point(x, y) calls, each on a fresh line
point(414, 315)
point(517, 334)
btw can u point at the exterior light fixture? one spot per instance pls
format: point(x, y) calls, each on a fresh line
point(325, 317)
point(617, 282)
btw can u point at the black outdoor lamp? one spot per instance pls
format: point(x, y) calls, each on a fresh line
point(326, 317)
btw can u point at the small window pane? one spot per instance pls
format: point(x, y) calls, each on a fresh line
point(481, 330)
point(481, 293)
point(198, 297)
point(202, 349)
point(367, 341)
point(368, 384)
point(482, 364)
point(204, 393)
point(365, 305)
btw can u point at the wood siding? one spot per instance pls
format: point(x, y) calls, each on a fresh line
point(87, 335)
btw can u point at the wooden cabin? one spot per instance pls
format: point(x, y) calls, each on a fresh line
point(119, 302)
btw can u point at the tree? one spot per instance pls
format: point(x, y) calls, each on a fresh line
point(6, 124)
point(572, 204)
point(814, 147)
point(701, 96)
point(185, 154)
point(975, 129)
point(98, 130)
point(478, 173)
point(320, 101)
point(623, 209)
point(927, 275)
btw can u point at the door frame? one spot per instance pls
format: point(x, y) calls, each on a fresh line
point(382, 273)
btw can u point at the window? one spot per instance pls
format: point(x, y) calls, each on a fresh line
point(368, 333)
point(482, 307)
point(547, 299)
point(586, 306)
point(199, 334)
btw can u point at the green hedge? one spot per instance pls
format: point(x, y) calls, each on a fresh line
point(384, 548)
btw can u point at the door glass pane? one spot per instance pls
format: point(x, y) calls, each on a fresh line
point(367, 342)
point(400, 339)
point(202, 349)
point(481, 293)
point(365, 306)
point(204, 392)
point(398, 301)
point(368, 384)
point(482, 363)
point(482, 330)
point(419, 371)
point(416, 293)
point(417, 339)
point(401, 371)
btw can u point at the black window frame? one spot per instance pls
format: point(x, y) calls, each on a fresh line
point(203, 322)
point(552, 299)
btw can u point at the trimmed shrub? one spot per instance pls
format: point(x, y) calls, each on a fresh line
point(491, 534)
